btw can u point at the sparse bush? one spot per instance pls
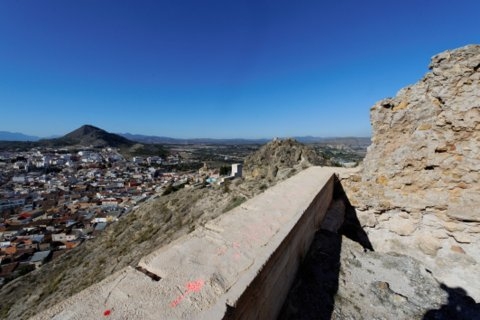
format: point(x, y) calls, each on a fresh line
point(226, 186)
point(225, 170)
point(168, 190)
point(24, 269)
point(235, 202)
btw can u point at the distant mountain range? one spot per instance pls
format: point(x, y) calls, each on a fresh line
point(303, 139)
point(16, 136)
point(89, 135)
point(168, 140)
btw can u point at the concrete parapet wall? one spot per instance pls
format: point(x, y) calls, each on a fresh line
point(238, 266)
point(264, 297)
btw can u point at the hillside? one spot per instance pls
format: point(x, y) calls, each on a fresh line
point(154, 224)
point(279, 159)
point(88, 135)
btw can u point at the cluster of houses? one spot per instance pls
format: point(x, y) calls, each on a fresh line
point(52, 201)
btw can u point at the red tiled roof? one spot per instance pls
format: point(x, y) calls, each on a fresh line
point(6, 269)
point(25, 215)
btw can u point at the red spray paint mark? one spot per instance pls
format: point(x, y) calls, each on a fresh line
point(237, 253)
point(193, 286)
point(177, 301)
point(221, 251)
point(106, 313)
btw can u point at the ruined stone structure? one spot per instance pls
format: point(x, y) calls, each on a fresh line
point(421, 176)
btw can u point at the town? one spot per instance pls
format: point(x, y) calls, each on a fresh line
point(53, 200)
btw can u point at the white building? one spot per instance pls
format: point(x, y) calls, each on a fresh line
point(237, 170)
point(62, 237)
point(20, 165)
point(138, 160)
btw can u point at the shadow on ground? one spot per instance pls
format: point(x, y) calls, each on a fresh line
point(317, 278)
point(460, 306)
point(316, 285)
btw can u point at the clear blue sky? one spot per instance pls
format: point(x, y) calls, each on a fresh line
point(220, 69)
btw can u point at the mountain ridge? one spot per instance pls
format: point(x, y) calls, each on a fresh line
point(17, 136)
point(91, 135)
point(154, 139)
point(302, 139)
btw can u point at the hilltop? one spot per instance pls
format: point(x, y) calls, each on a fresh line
point(153, 224)
point(281, 158)
point(88, 136)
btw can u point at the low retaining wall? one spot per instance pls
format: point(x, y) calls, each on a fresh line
point(239, 266)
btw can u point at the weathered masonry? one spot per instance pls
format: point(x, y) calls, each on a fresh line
point(239, 266)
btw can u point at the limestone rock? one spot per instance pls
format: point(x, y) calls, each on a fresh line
point(424, 161)
point(457, 249)
point(425, 150)
point(453, 226)
point(367, 218)
point(462, 237)
point(279, 159)
point(402, 226)
point(428, 244)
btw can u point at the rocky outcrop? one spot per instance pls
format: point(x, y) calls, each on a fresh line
point(421, 177)
point(425, 150)
point(280, 159)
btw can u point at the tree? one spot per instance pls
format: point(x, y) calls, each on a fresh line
point(225, 170)
point(226, 186)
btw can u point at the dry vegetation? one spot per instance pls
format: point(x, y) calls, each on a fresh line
point(154, 224)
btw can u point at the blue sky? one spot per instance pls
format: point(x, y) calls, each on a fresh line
point(219, 69)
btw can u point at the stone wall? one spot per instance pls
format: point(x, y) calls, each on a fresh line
point(421, 175)
point(425, 150)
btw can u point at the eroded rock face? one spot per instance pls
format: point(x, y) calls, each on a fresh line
point(425, 150)
point(421, 177)
point(280, 159)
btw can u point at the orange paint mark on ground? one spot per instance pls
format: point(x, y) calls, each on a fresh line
point(177, 301)
point(193, 286)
